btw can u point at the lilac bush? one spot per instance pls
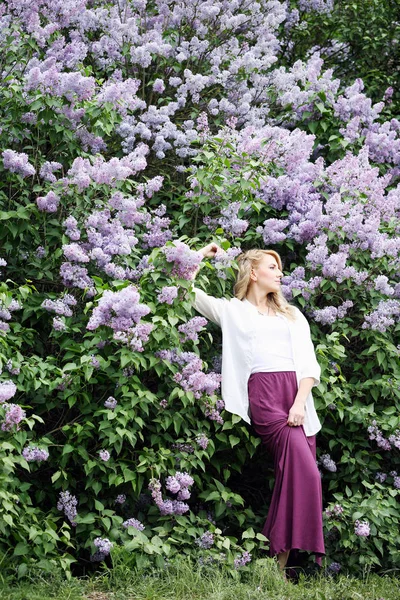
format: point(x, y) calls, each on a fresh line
point(133, 134)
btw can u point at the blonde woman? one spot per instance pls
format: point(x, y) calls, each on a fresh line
point(268, 370)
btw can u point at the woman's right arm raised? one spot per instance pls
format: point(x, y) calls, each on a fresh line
point(206, 305)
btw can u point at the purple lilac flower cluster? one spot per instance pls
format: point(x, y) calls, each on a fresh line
point(242, 560)
point(35, 454)
point(8, 389)
point(362, 528)
point(13, 415)
point(329, 464)
point(5, 311)
point(185, 261)
point(191, 378)
point(168, 294)
point(191, 329)
point(178, 484)
point(133, 523)
point(224, 260)
point(104, 455)
point(11, 369)
point(122, 312)
point(382, 477)
point(120, 499)
point(206, 540)
point(68, 503)
point(104, 545)
point(335, 567)
point(336, 511)
point(47, 170)
point(202, 440)
point(376, 434)
point(214, 412)
point(110, 403)
point(181, 447)
point(48, 203)
point(18, 162)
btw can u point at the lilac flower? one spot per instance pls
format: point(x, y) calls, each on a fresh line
point(202, 440)
point(12, 370)
point(382, 285)
point(68, 504)
point(168, 294)
point(120, 499)
point(133, 523)
point(362, 528)
point(394, 439)
point(48, 203)
point(13, 416)
point(110, 403)
point(376, 434)
point(242, 560)
point(191, 329)
point(47, 170)
point(336, 511)
point(172, 485)
point(103, 544)
point(328, 463)
point(188, 448)
point(104, 455)
point(381, 477)
point(18, 162)
point(185, 260)
point(163, 403)
point(335, 567)
point(206, 540)
point(59, 324)
point(94, 362)
point(35, 454)
point(159, 86)
point(8, 389)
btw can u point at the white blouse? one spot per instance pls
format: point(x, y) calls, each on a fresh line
point(239, 328)
point(272, 350)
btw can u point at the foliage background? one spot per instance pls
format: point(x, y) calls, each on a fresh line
point(249, 149)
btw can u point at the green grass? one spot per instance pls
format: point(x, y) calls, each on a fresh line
point(182, 581)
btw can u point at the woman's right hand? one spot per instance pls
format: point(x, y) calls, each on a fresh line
point(210, 250)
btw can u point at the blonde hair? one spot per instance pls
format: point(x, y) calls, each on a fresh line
point(250, 259)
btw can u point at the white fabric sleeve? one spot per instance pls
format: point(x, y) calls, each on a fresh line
point(208, 306)
point(311, 367)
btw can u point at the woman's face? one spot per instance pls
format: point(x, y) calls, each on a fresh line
point(267, 275)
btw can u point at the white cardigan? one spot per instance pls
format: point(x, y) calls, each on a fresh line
point(239, 324)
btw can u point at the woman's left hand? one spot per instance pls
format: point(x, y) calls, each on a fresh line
point(296, 415)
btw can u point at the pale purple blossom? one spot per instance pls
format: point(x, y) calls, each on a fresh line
point(133, 523)
point(104, 545)
point(14, 414)
point(110, 403)
point(104, 455)
point(168, 294)
point(68, 503)
point(48, 203)
point(242, 560)
point(205, 541)
point(35, 454)
point(18, 162)
point(8, 389)
point(362, 528)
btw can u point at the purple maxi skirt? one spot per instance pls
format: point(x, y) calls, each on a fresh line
point(294, 519)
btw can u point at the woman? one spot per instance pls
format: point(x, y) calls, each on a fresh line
point(268, 370)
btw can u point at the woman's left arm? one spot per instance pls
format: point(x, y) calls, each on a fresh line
point(309, 376)
point(297, 411)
